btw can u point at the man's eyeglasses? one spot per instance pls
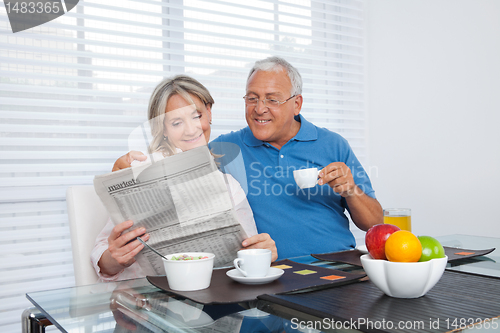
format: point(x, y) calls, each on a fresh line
point(269, 102)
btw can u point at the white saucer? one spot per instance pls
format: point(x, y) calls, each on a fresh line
point(362, 248)
point(273, 274)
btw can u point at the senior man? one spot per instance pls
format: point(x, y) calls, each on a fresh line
point(279, 140)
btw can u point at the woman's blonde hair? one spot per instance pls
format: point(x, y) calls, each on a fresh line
point(182, 85)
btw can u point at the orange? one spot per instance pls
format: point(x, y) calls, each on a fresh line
point(403, 246)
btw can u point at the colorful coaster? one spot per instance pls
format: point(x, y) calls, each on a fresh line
point(464, 253)
point(332, 277)
point(305, 272)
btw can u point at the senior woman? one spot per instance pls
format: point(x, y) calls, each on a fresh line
point(180, 114)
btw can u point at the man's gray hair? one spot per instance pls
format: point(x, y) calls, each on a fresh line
point(277, 64)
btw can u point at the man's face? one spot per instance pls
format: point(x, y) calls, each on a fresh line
point(275, 125)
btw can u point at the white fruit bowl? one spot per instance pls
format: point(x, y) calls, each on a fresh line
point(404, 279)
point(189, 275)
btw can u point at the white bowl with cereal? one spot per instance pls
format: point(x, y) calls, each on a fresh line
point(189, 271)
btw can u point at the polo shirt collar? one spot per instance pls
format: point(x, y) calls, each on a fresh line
point(307, 132)
point(249, 139)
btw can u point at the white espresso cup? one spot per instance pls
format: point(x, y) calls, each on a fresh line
point(306, 178)
point(253, 262)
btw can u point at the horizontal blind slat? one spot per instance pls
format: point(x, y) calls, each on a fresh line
point(30, 194)
point(99, 156)
point(38, 247)
point(34, 207)
point(240, 6)
point(19, 128)
point(154, 73)
point(345, 5)
point(73, 104)
point(71, 117)
point(32, 221)
point(96, 168)
point(147, 84)
point(46, 181)
point(39, 285)
point(41, 233)
point(57, 142)
point(21, 261)
point(236, 90)
point(58, 270)
point(338, 57)
point(234, 15)
point(345, 55)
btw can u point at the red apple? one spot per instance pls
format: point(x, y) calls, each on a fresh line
point(375, 239)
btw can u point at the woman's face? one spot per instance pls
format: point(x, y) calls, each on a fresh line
point(187, 126)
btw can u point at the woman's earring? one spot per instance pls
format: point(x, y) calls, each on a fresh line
point(210, 122)
point(164, 138)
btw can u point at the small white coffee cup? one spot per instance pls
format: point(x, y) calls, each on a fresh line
point(253, 262)
point(306, 178)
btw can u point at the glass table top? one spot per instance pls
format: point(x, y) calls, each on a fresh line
point(487, 265)
point(136, 305)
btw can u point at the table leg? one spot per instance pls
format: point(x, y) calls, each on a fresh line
point(34, 321)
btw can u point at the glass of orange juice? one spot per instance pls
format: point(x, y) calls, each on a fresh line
point(400, 217)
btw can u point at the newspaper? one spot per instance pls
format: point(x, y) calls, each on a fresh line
point(183, 202)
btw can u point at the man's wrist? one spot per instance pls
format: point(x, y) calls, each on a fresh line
point(354, 192)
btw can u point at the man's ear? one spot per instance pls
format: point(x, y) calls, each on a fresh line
point(297, 104)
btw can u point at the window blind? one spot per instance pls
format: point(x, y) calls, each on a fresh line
point(72, 90)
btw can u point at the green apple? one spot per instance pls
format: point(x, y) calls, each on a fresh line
point(431, 248)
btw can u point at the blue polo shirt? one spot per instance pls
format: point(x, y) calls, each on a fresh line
point(301, 221)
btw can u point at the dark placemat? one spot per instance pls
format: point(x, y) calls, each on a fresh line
point(224, 290)
point(352, 256)
point(462, 296)
point(455, 253)
point(347, 257)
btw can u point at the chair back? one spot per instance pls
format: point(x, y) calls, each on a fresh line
point(87, 217)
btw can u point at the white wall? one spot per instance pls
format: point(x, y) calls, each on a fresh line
point(434, 111)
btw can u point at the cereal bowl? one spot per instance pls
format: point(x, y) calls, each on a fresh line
point(404, 279)
point(189, 275)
